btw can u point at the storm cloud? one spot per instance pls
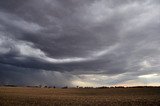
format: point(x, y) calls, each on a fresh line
point(80, 42)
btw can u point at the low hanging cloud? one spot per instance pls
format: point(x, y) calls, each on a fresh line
point(85, 43)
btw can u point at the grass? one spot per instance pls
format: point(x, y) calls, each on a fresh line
point(23, 96)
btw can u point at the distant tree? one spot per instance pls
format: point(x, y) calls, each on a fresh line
point(45, 86)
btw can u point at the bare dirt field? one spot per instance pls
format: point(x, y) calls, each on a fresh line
point(23, 96)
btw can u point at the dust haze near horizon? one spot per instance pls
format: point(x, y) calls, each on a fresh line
point(80, 42)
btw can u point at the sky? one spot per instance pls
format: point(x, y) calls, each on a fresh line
point(80, 42)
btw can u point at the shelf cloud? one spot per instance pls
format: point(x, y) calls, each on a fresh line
point(80, 42)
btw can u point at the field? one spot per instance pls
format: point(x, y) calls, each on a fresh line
point(23, 96)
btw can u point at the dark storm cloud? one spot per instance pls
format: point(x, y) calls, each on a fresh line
point(76, 37)
point(24, 76)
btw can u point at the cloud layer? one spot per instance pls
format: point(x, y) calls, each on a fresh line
point(80, 42)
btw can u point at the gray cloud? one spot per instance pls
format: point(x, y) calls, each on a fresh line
point(64, 40)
